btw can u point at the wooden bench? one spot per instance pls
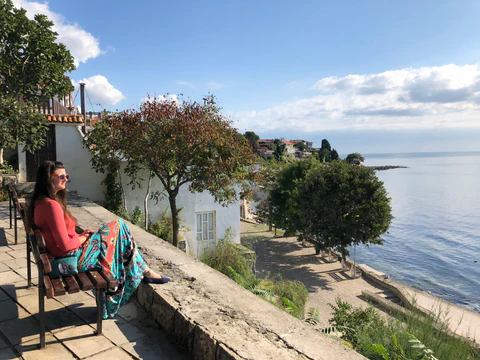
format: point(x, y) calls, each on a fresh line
point(70, 284)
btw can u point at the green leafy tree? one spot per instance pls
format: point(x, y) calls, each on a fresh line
point(106, 158)
point(300, 146)
point(324, 155)
point(334, 155)
point(340, 205)
point(252, 139)
point(267, 176)
point(326, 145)
point(351, 157)
point(32, 69)
point(279, 150)
point(286, 214)
point(20, 125)
point(185, 144)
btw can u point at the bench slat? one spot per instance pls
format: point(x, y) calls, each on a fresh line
point(40, 239)
point(46, 263)
point(111, 282)
point(72, 286)
point(97, 280)
point(58, 287)
point(48, 287)
point(84, 281)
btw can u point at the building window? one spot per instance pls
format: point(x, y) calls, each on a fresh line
point(206, 226)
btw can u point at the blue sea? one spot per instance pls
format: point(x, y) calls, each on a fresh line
point(434, 240)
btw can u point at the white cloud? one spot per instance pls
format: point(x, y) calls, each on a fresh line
point(212, 85)
point(82, 44)
point(187, 84)
point(429, 97)
point(100, 91)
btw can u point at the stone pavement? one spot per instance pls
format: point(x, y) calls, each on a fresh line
point(70, 319)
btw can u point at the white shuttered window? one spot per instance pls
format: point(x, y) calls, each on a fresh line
point(206, 226)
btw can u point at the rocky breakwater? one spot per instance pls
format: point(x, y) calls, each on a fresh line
point(386, 167)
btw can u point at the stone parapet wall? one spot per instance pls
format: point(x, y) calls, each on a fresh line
point(212, 316)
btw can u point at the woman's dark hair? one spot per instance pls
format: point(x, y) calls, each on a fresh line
point(44, 188)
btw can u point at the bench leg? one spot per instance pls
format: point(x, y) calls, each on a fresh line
point(41, 312)
point(10, 207)
point(15, 213)
point(29, 265)
point(100, 293)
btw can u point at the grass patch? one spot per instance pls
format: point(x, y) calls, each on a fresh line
point(232, 260)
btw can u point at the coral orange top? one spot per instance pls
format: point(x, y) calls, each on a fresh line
point(58, 230)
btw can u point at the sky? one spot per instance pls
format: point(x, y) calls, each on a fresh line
point(369, 76)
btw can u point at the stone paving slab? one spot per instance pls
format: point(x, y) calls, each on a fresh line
point(82, 341)
point(115, 353)
point(70, 319)
point(18, 254)
point(5, 256)
point(53, 350)
point(3, 344)
point(144, 348)
point(7, 354)
point(9, 277)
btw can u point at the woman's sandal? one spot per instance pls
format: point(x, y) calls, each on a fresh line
point(162, 280)
point(149, 280)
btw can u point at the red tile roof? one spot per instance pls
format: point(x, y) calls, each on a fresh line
point(286, 142)
point(65, 118)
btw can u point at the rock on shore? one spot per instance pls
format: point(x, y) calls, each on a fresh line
point(387, 167)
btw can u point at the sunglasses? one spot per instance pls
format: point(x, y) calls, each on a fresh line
point(62, 176)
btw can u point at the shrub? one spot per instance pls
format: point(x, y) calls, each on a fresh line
point(295, 291)
point(162, 227)
point(137, 217)
point(3, 195)
point(399, 338)
point(226, 254)
point(6, 168)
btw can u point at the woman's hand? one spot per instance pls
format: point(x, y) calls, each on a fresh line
point(83, 238)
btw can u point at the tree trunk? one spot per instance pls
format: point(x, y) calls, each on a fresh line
point(270, 220)
point(124, 197)
point(175, 223)
point(1, 156)
point(344, 258)
point(145, 202)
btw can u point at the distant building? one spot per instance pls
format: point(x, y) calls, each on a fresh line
point(308, 144)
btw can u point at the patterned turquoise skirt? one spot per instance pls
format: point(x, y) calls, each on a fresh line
point(112, 249)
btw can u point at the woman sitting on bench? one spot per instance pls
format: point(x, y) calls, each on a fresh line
point(110, 249)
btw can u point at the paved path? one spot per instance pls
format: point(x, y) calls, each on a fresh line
point(71, 319)
point(325, 281)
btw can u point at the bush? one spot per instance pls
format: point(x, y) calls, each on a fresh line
point(295, 291)
point(227, 254)
point(137, 217)
point(6, 168)
point(162, 227)
point(399, 338)
point(3, 195)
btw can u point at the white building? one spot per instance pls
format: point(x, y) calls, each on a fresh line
point(203, 220)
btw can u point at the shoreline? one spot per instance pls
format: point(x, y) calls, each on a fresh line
point(325, 280)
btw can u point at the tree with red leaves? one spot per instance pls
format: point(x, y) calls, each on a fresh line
point(185, 143)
